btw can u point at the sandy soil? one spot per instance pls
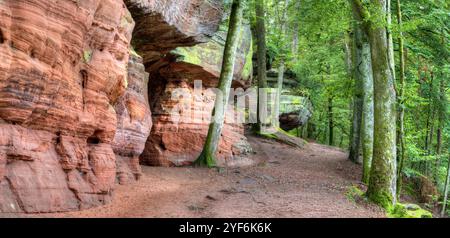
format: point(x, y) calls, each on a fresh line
point(286, 182)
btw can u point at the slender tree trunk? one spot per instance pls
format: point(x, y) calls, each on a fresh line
point(401, 103)
point(360, 71)
point(441, 117)
point(439, 137)
point(207, 157)
point(296, 30)
point(330, 121)
point(442, 109)
point(430, 116)
point(281, 68)
point(428, 164)
point(363, 73)
point(349, 53)
point(382, 185)
point(447, 181)
point(262, 67)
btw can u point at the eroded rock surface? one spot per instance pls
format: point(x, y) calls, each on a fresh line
point(161, 26)
point(63, 66)
point(133, 122)
point(74, 113)
point(295, 112)
point(181, 113)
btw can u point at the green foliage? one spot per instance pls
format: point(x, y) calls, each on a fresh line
point(248, 67)
point(383, 199)
point(87, 56)
point(408, 211)
point(426, 32)
point(320, 66)
point(205, 160)
point(354, 193)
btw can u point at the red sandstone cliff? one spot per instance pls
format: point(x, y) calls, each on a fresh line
point(66, 65)
point(74, 100)
point(181, 122)
point(133, 122)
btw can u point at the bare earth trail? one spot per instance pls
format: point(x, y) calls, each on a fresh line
point(287, 182)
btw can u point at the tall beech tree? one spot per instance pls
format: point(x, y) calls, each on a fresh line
point(363, 94)
point(401, 120)
point(262, 65)
point(282, 59)
point(382, 185)
point(401, 103)
point(446, 188)
point(207, 157)
point(295, 30)
point(358, 98)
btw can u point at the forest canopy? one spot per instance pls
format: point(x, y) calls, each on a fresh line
point(377, 76)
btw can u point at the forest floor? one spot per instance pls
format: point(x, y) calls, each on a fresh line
point(286, 182)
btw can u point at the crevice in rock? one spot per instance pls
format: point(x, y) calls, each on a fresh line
point(84, 78)
point(95, 138)
point(75, 193)
point(33, 54)
point(58, 138)
point(84, 81)
point(15, 193)
point(162, 145)
point(2, 38)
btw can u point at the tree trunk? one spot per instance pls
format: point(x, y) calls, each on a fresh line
point(262, 67)
point(360, 71)
point(382, 185)
point(330, 121)
point(441, 117)
point(401, 103)
point(430, 116)
point(296, 30)
point(447, 181)
point(281, 68)
point(363, 74)
point(207, 157)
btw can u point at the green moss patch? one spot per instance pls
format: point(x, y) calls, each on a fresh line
point(408, 211)
point(354, 194)
point(87, 56)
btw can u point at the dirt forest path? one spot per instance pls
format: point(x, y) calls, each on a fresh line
point(287, 182)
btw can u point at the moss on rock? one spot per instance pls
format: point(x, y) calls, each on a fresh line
point(87, 56)
point(210, 55)
point(409, 211)
point(354, 193)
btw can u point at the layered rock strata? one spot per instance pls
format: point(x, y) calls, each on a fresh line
point(134, 122)
point(162, 26)
point(181, 113)
point(63, 67)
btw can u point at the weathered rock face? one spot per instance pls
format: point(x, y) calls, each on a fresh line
point(63, 65)
point(74, 113)
point(208, 58)
point(133, 122)
point(161, 26)
point(181, 114)
point(295, 112)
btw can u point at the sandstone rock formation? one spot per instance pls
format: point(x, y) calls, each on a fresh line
point(162, 26)
point(181, 114)
point(295, 112)
point(74, 100)
point(133, 122)
point(63, 67)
